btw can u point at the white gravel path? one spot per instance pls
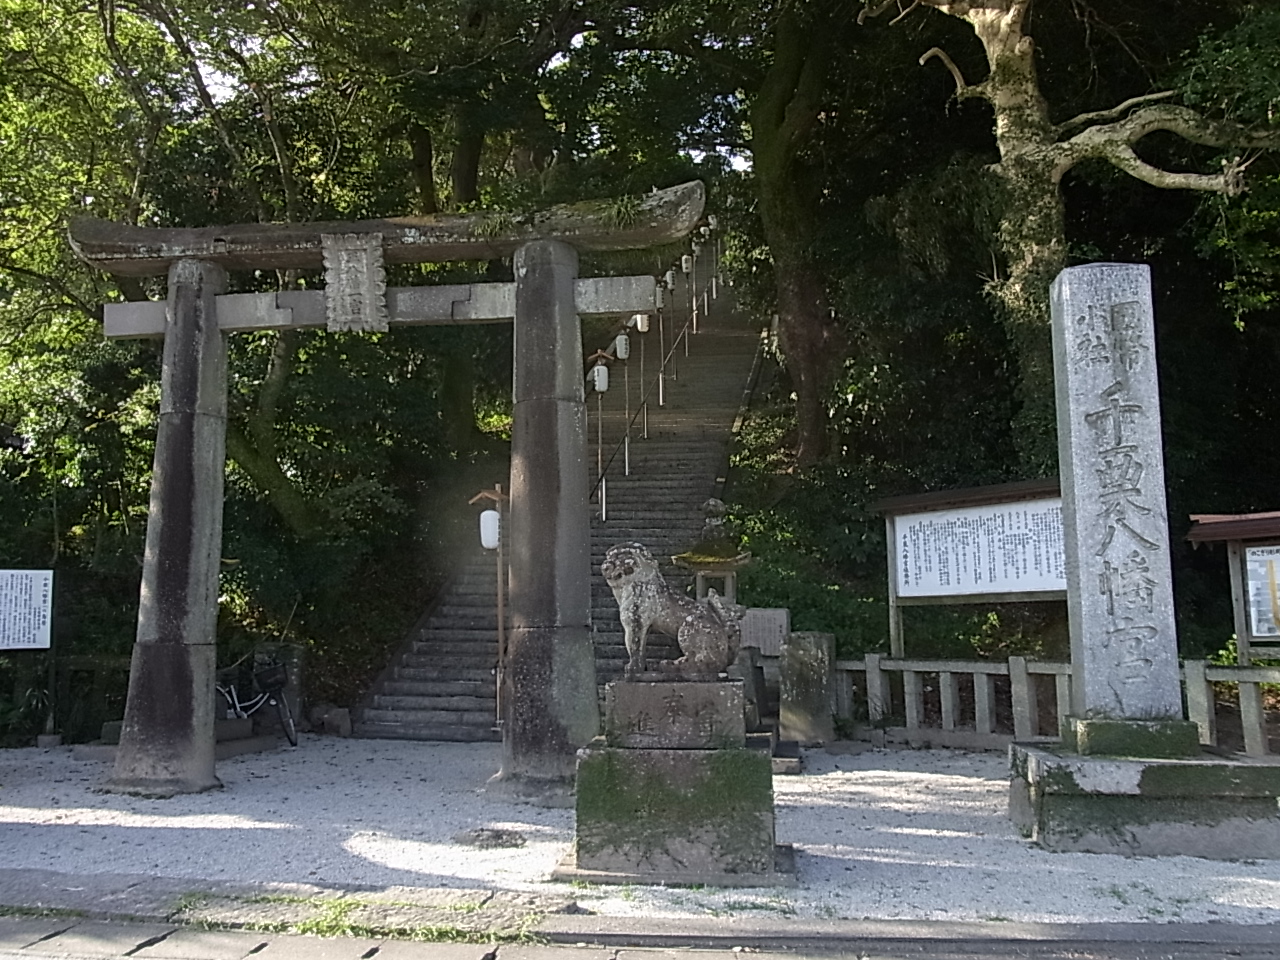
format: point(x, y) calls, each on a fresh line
point(880, 835)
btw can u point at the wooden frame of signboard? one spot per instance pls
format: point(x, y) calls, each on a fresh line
point(1242, 533)
point(994, 496)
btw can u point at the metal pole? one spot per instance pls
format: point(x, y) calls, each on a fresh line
point(643, 396)
point(693, 292)
point(626, 439)
point(662, 357)
point(600, 455)
point(502, 610)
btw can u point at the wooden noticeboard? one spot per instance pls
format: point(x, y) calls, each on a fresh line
point(993, 544)
point(1253, 560)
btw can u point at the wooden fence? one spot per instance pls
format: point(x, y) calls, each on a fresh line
point(986, 705)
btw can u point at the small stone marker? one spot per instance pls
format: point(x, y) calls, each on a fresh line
point(1124, 647)
point(804, 708)
point(765, 628)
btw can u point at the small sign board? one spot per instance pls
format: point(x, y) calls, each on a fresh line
point(1262, 575)
point(26, 609)
point(993, 548)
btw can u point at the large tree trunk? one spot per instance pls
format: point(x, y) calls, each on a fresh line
point(464, 171)
point(783, 113)
point(424, 169)
point(1032, 225)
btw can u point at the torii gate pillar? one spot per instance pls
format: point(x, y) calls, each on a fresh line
point(550, 678)
point(167, 743)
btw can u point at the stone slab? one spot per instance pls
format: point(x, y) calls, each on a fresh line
point(99, 938)
point(321, 948)
point(408, 950)
point(693, 814)
point(192, 944)
point(1214, 808)
point(806, 693)
point(766, 628)
point(19, 932)
point(674, 715)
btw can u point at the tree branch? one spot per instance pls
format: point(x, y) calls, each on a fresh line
point(964, 90)
point(1084, 119)
point(1230, 182)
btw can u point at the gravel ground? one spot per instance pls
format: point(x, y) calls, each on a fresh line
point(879, 835)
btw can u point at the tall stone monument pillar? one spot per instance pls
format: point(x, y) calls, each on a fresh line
point(167, 742)
point(550, 659)
point(1124, 648)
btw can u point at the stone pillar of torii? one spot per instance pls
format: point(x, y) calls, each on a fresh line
point(167, 742)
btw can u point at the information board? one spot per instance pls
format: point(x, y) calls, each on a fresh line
point(992, 549)
point(26, 609)
point(1262, 572)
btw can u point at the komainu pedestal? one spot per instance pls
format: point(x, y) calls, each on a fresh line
point(674, 793)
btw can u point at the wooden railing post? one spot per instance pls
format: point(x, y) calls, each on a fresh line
point(1024, 699)
point(877, 690)
point(911, 694)
point(1200, 701)
point(948, 690)
point(1252, 719)
point(983, 721)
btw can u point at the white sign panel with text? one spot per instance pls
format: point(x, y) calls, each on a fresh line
point(998, 548)
point(26, 609)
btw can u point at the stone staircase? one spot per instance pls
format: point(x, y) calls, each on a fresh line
point(441, 686)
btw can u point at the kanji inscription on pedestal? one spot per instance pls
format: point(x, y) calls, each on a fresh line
point(1119, 587)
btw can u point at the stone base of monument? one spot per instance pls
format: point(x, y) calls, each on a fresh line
point(1203, 806)
point(673, 794)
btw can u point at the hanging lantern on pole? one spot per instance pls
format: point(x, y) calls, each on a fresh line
point(712, 223)
point(686, 264)
point(622, 347)
point(640, 321)
point(490, 529)
point(600, 378)
point(660, 300)
point(670, 279)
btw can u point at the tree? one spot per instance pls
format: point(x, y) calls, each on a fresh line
point(1035, 153)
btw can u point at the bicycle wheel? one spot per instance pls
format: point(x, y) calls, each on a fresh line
point(286, 719)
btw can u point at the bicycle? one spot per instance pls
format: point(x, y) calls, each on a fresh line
point(270, 678)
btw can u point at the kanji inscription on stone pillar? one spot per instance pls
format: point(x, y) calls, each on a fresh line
point(1119, 586)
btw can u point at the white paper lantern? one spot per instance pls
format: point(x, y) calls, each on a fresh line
point(686, 263)
point(712, 222)
point(490, 529)
point(661, 300)
point(640, 321)
point(670, 279)
point(622, 346)
point(600, 378)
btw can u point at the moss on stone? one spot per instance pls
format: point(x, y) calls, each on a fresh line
point(1137, 738)
point(638, 802)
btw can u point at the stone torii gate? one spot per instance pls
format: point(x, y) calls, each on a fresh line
point(167, 743)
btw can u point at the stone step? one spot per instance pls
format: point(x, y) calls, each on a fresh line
point(456, 704)
point(477, 718)
point(443, 674)
point(420, 661)
point(408, 687)
point(456, 732)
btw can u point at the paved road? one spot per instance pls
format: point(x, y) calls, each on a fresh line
point(29, 938)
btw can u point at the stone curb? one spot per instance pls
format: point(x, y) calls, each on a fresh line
point(388, 911)
point(282, 907)
point(775, 933)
